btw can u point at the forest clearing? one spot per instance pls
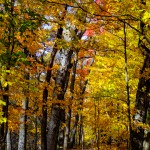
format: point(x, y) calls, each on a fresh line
point(75, 74)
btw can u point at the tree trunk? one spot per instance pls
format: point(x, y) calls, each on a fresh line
point(67, 129)
point(8, 140)
point(23, 118)
point(127, 88)
point(36, 133)
point(4, 125)
point(72, 139)
point(97, 126)
point(23, 126)
point(59, 92)
point(73, 132)
point(44, 121)
point(81, 135)
point(142, 96)
point(14, 140)
point(142, 105)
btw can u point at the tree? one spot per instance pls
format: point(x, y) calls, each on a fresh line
point(47, 49)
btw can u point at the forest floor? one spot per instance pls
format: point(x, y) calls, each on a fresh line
point(102, 147)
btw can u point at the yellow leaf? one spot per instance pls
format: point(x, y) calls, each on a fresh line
point(2, 103)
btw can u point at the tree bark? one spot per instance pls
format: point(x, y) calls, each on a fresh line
point(59, 93)
point(67, 129)
point(127, 87)
point(73, 132)
point(44, 121)
point(9, 140)
point(142, 105)
point(22, 128)
point(142, 96)
point(23, 118)
point(81, 140)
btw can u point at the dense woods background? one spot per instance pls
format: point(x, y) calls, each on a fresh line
point(74, 74)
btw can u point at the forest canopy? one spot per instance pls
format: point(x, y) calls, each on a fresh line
point(74, 74)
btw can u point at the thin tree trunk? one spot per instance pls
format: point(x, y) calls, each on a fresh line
point(98, 128)
point(36, 123)
point(36, 134)
point(8, 140)
point(23, 126)
point(127, 88)
point(67, 129)
point(73, 132)
point(4, 125)
point(44, 121)
point(81, 136)
point(83, 88)
point(80, 131)
point(95, 121)
point(14, 140)
point(22, 134)
point(23, 118)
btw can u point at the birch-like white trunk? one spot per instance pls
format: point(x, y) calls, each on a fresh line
point(22, 127)
point(8, 140)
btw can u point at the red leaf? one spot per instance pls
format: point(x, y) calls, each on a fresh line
point(88, 32)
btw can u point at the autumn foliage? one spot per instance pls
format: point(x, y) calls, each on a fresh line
point(74, 74)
